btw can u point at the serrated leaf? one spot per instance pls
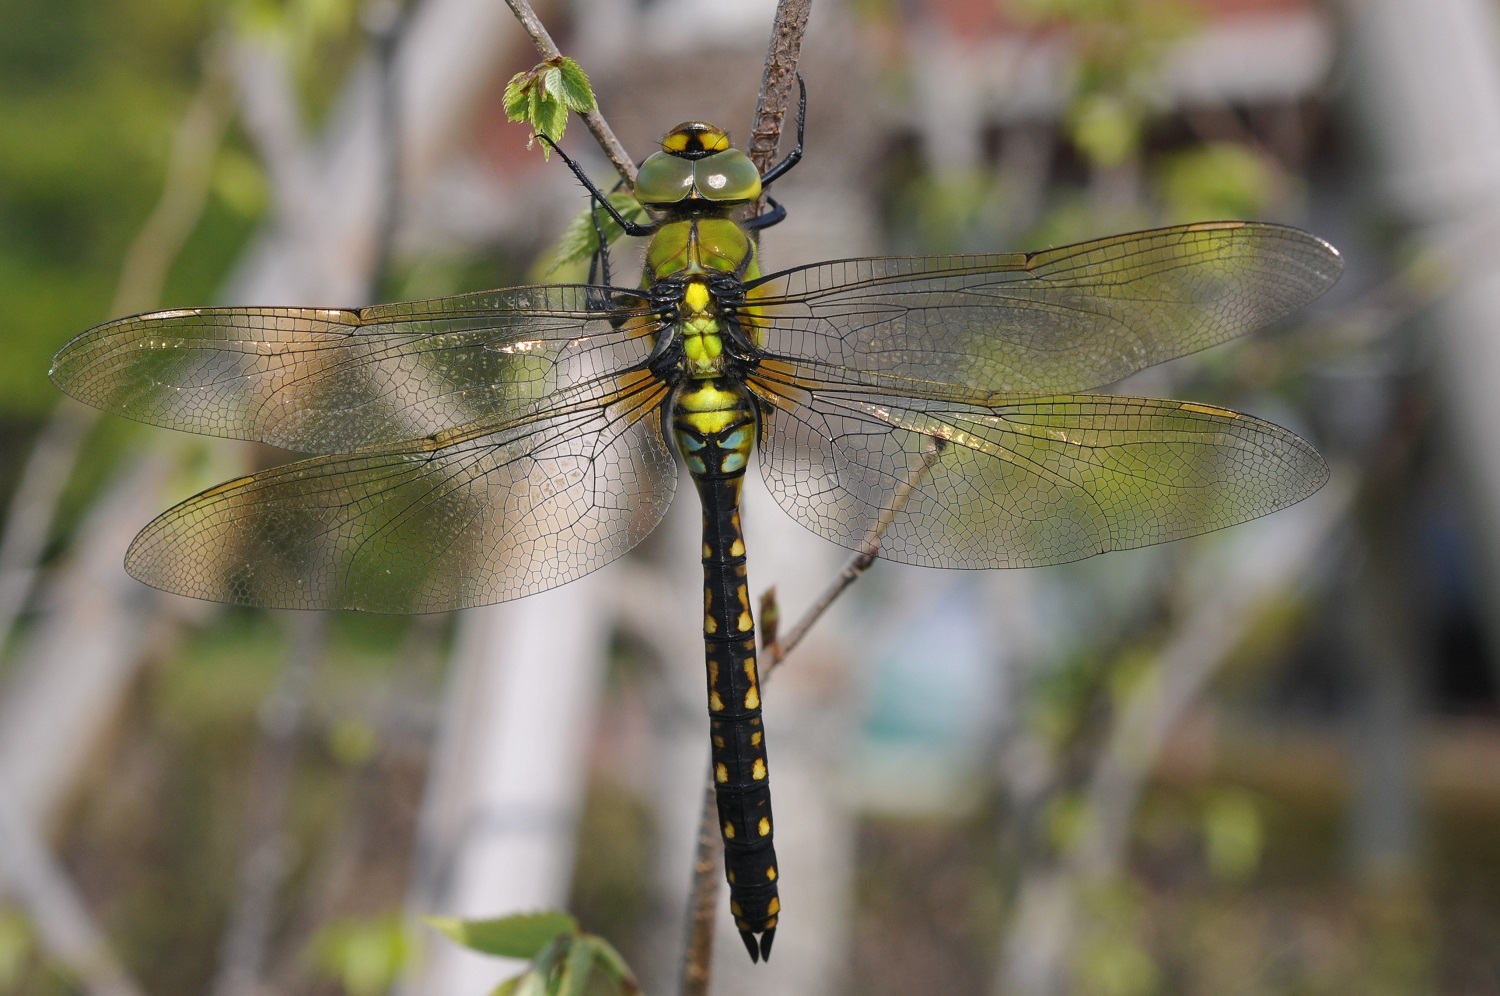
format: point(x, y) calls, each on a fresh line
point(517, 97)
point(580, 240)
point(573, 87)
point(552, 117)
point(552, 81)
point(576, 967)
point(523, 935)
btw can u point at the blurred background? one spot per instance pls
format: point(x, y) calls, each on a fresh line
point(1265, 761)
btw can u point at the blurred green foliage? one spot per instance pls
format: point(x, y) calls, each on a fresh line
point(364, 956)
point(90, 95)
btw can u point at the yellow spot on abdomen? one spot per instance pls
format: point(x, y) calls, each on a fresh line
point(771, 874)
point(756, 738)
point(758, 771)
point(765, 830)
point(721, 774)
point(729, 830)
point(752, 699)
point(774, 906)
point(715, 704)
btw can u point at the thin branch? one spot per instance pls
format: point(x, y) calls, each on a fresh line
point(593, 120)
point(703, 908)
point(869, 550)
point(776, 82)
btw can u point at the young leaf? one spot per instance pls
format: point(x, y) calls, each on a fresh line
point(574, 975)
point(572, 87)
point(517, 97)
point(580, 239)
point(523, 935)
point(551, 119)
point(613, 965)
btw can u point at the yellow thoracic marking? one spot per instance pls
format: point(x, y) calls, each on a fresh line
point(1189, 406)
point(758, 770)
point(721, 773)
point(764, 829)
point(737, 548)
point(729, 830)
point(756, 738)
point(696, 296)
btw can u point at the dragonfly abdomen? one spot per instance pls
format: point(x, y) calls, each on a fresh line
point(713, 425)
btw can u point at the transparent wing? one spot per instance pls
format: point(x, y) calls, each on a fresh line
point(975, 328)
point(1036, 481)
point(330, 381)
point(471, 517)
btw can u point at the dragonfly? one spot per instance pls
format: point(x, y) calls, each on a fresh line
point(487, 446)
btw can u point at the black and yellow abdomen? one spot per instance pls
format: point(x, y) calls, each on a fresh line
point(713, 426)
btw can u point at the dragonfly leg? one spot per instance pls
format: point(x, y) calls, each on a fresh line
point(629, 227)
point(771, 217)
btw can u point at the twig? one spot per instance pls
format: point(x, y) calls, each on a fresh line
point(704, 905)
point(593, 120)
point(869, 550)
point(776, 83)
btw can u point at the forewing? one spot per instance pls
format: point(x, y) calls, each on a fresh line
point(470, 518)
point(329, 381)
point(1041, 481)
point(975, 328)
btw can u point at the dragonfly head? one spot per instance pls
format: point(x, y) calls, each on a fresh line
point(696, 140)
point(697, 162)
